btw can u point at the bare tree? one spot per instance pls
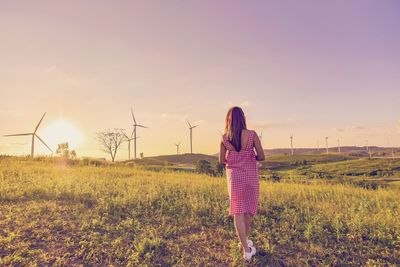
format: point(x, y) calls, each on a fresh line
point(110, 141)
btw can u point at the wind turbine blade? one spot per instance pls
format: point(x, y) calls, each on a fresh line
point(139, 125)
point(43, 142)
point(37, 126)
point(133, 116)
point(190, 126)
point(17, 134)
point(194, 126)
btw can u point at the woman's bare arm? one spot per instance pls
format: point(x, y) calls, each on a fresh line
point(259, 149)
point(222, 152)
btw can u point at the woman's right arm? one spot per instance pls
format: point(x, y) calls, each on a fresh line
point(259, 149)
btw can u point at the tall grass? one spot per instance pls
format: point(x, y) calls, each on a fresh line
point(55, 214)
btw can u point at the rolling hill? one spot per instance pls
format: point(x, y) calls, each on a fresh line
point(184, 160)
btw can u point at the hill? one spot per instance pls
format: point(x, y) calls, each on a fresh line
point(344, 149)
point(279, 161)
point(184, 160)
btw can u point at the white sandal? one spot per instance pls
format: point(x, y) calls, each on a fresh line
point(248, 255)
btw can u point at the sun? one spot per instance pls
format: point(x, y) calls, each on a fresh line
point(62, 131)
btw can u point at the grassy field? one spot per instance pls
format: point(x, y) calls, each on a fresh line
point(125, 215)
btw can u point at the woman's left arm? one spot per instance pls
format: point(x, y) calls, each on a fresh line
point(259, 149)
point(222, 152)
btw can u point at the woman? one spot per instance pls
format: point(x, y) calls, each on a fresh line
point(237, 152)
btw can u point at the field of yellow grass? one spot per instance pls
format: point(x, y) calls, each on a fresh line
point(123, 215)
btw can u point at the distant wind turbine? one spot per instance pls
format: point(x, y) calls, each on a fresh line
point(291, 144)
point(177, 147)
point(338, 145)
point(191, 135)
point(33, 134)
point(135, 124)
point(129, 139)
point(326, 142)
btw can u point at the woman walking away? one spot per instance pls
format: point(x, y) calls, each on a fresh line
point(237, 152)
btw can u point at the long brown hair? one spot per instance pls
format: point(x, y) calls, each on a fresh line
point(235, 122)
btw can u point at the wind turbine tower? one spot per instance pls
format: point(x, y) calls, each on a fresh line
point(326, 142)
point(291, 144)
point(135, 124)
point(191, 135)
point(33, 134)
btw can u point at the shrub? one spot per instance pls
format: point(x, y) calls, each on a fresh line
point(203, 166)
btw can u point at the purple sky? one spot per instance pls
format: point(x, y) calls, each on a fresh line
point(311, 68)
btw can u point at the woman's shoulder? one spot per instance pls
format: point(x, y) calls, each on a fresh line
point(248, 131)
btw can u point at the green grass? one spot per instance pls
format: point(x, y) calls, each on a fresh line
point(312, 158)
point(358, 167)
point(289, 162)
point(121, 215)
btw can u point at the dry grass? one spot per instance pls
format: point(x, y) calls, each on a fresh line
point(118, 215)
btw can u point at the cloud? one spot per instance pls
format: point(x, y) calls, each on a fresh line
point(357, 127)
point(339, 129)
point(349, 128)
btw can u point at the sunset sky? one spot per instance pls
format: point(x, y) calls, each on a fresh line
point(311, 68)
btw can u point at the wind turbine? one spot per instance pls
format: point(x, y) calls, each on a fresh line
point(291, 144)
point(261, 136)
point(367, 145)
point(191, 135)
point(177, 147)
point(33, 134)
point(135, 124)
point(326, 142)
point(129, 139)
point(338, 145)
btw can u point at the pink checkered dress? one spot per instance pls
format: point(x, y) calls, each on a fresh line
point(242, 177)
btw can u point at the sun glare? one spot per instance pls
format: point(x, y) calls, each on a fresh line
point(62, 131)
